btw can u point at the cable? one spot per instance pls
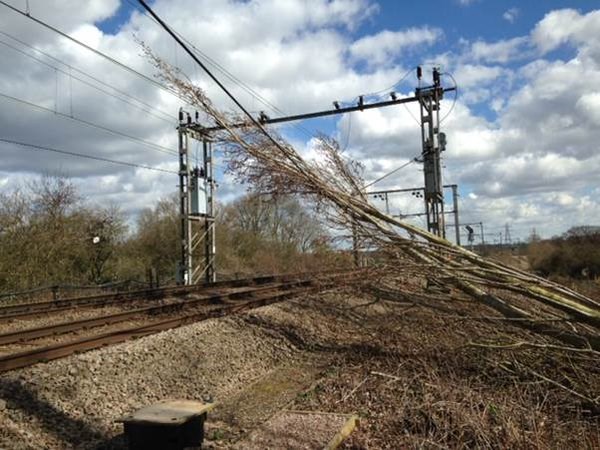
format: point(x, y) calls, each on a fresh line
point(213, 62)
point(455, 96)
point(254, 121)
point(77, 70)
point(390, 173)
point(388, 89)
point(93, 50)
point(345, 147)
point(81, 155)
point(86, 82)
point(241, 83)
point(236, 81)
point(156, 147)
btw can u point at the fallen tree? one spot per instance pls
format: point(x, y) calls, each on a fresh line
point(333, 184)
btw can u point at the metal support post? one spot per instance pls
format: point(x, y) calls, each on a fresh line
point(482, 235)
point(432, 143)
point(209, 219)
point(197, 208)
point(185, 262)
point(387, 204)
point(455, 207)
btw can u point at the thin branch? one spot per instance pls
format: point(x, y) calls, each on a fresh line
point(522, 344)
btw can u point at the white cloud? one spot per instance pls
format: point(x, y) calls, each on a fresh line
point(469, 75)
point(567, 26)
point(510, 15)
point(501, 51)
point(386, 45)
point(534, 156)
point(589, 106)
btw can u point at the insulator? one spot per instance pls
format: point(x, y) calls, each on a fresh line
point(436, 77)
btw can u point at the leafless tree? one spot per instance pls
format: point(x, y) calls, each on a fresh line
point(333, 183)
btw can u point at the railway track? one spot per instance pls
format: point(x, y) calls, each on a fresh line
point(209, 301)
point(33, 309)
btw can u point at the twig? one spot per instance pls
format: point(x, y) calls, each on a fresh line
point(502, 319)
point(557, 384)
point(515, 345)
point(386, 375)
point(349, 394)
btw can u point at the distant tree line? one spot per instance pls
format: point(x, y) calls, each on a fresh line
point(575, 254)
point(50, 235)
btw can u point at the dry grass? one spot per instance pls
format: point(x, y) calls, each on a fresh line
point(410, 373)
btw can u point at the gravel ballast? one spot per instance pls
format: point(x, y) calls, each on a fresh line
point(413, 370)
point(73, 402)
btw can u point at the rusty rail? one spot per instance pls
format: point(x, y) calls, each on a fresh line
point(226, 304)
point(109, 319)
point(32, 309)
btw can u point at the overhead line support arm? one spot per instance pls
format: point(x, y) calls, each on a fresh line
point(325, 113)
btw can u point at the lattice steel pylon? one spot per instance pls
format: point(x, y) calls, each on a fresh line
point(433, 143)
point(196, 207)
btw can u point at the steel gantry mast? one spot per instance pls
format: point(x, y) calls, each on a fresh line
point(418, 193)
point(433, 143)
point(196, 207)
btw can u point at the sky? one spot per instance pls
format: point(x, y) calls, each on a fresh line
point(523, 131)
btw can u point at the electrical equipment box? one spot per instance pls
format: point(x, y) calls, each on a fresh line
point(198, 193)
point(168, 425)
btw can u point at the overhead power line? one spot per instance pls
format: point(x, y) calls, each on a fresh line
point(259, 125)
point(81, 155)
point(240, 83)
point(152, 145)
point(390, 173)
point(254, 121)
point(93, 50)
point(146, 107)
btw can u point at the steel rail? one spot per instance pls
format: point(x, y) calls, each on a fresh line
point(109, 319)
point(31, 309)
point(62, 349)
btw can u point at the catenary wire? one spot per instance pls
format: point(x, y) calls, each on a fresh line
point(54, 58)
point(236, 81)
point(146, 108)
point(81, 155)
point(161, 86)
point(93, 50)
point(231, 96)
point(390, 173)
point(248, 88)
point(455, 96)
point(155, 147)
